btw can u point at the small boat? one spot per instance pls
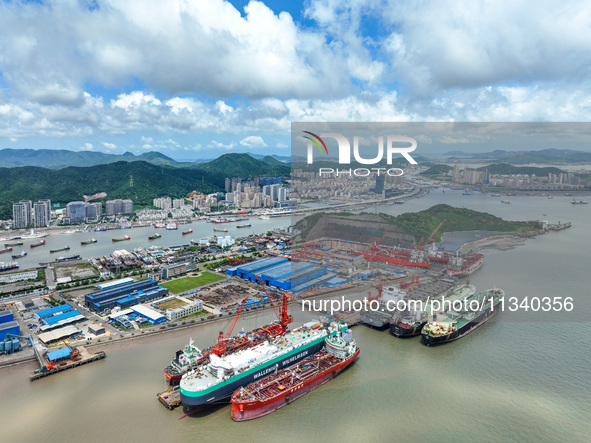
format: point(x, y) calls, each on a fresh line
point(65, 248)
point(8, 245)
point(88, 242)
point(579, 202)
point(154, 236)
point(248, 225)
point(507, 202)
point(39, 243)
point(127, 237)
point(2, 251)
point(22, 254)
point(190, 231)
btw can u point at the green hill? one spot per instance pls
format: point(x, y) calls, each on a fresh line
point(422, 224)
point(507, 169)
point(242, 165)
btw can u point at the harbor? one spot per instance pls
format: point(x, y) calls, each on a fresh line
point(78, 357)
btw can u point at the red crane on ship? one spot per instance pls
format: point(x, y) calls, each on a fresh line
point(220, 347)
point(281, 311)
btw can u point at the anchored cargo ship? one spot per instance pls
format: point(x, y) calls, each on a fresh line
point(8, 245)
point(154, 236)
point(65, 248)
point(277, 390)
point(2, 251)
point(412, 322)
point(39, 243)
point(127, 237)
point(220, 230)
point(190, 231)
point(460, 266)
point(22, 254)
point(215, 381)
point(88, 242)
point(459, 323)
point(248, 225)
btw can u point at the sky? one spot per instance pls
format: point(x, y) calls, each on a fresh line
point(194, 79)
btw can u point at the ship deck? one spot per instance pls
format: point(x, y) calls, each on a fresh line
point(201, 378)
point(276, 384)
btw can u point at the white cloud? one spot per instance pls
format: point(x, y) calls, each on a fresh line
point(109, 146)
point(13, 139)
point(87, 147)
point(253, 141)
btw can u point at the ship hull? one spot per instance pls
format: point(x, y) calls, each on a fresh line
point(224, 393)
point(242, 411)
point(429, 340)
point(410, 331)
point(464, 272)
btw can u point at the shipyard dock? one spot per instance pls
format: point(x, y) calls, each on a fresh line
point(64, 359)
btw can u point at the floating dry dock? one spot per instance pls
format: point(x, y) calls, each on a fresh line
point(64, 359)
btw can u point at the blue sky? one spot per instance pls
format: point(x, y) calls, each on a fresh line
point(195, 79)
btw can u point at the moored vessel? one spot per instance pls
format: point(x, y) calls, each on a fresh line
point(456, 324)
point(7, 266)
point(172, 226)
point(410, 322)
point(281, 388)
point(462, 265)
point(73, 257)
point(214, 381)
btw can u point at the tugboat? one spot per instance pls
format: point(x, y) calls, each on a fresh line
point(281, 388)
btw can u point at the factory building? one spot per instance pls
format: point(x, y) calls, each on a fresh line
point(279, 272)
point(125, 296)
point(57, 316)
point(6, 316)
point(152, 316)
point(9, 327)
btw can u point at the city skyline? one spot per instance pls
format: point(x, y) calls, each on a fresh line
point(225, 76)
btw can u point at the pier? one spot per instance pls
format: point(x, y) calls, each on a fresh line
point(83, 358)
